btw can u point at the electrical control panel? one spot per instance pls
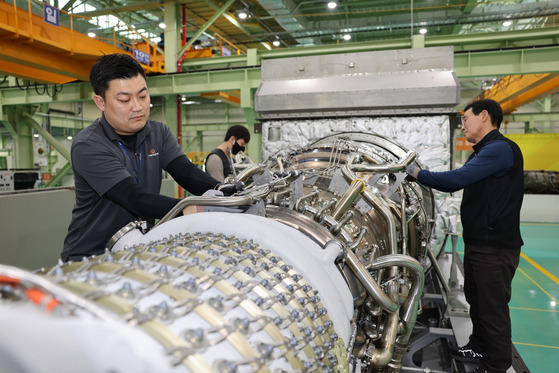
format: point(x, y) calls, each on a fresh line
point(6, 181)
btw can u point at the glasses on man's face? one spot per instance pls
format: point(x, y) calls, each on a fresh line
point(463, 120)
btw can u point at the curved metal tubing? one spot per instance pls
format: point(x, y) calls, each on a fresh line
point(336, 229)
point(303, 198)
point(369, 283)
point(355, 188)
point(205, 201)
point(409, 306)
point(390, 167)
point(382, 356)
point(379, 205)
point(319, 214)
point(249, 172)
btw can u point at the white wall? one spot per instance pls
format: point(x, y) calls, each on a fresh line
point(540, 208)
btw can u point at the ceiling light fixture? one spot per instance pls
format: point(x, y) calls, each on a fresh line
point(162, 25)
point(507, 23)
point(332, 5)
point(276, 43)
point(91, 34)
point(422, 31)
point(242, 14)
point(347, 37)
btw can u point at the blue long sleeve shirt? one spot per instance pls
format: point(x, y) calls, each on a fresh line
point(496, 158)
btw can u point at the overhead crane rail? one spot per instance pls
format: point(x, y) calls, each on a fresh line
point(36, 50)
point(513, 91)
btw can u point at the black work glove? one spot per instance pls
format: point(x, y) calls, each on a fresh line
point(230, 189)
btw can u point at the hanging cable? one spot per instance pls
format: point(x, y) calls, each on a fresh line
point(37, 89)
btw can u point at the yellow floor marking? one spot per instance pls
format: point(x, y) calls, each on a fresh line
point(534, 345)
point(533, 309)
point(540, 268)
point(546, 224)
point(538, 285)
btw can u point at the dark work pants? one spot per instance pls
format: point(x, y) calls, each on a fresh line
point(488, 273)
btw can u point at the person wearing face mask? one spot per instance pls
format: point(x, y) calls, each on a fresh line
point(219, 162)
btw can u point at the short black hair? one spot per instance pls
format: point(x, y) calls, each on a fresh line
point(110, 67)
point(493, 109)
point(240, 132)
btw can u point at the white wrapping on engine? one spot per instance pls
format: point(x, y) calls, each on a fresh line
point(316, 263)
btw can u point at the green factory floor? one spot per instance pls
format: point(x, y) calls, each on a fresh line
point(534, 307)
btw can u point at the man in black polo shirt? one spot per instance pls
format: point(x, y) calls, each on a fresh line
point(119, 158)
point(219, 163)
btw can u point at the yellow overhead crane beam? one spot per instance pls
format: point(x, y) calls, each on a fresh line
point(33, 49)
point(516, 90)
point(231, 97)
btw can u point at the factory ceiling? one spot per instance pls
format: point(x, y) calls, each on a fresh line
point(299, 23)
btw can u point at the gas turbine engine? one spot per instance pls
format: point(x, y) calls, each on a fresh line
point(322, 273)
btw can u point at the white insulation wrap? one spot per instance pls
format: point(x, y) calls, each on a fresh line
point(210, 292)
point(428, 136)
point(290, 245)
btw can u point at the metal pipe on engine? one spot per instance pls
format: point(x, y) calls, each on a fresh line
point(205, 201)
point(409, 307)
point(319, 214)
point(370, 284)
point(390, 167)
point(380, 206)
point(303, 198)
point(355, 188)
point(358, 240)
point(404, 222)
point(251, 171)
point(382, 356)
point(278, 196)
point(336, 229)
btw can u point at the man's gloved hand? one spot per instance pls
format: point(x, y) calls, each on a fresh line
point(230, 189)
point(412, 171)
point(212, 193)
point(220, 193)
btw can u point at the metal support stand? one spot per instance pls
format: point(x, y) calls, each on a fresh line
point(453, 280)
point(456, 306)
point(425, 337)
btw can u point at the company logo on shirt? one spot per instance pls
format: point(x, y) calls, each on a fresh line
point(152, 153)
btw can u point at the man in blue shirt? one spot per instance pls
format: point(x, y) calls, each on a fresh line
point(493, 183)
